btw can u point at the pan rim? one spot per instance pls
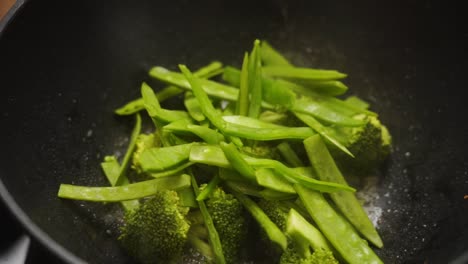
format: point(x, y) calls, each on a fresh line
point(32, 229)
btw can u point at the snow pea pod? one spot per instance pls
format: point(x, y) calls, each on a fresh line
point(154, 108)
point(204, 102)
point(237, 161)
point(255, 81)
point(160, 159)
point(272, 231)
point(212, 88)
point(339, 232)
point(136, 105)
point(123, 193)
point(319, 128)
point(326, 170)
point(303, 73)
point(272, 57)
point(309, 106)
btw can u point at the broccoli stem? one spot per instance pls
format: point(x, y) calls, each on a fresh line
point(123, 193)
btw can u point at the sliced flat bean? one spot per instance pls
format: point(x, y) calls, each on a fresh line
point(271, 57)
point(270, 179)
point(242, 107)
point(303, 73)
point(319, 128)
point(289, 155)
point(111, 168)
point(213, 235)
point(273, 232)
point(123, 193)
point(154, 108)
point(308, 106)
point(326, 170)
point(352, 248)
point(160, 159)
point(255, 81)
point(206, 106)
point(237, 161)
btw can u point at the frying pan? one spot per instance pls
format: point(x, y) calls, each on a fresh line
point(64, 67)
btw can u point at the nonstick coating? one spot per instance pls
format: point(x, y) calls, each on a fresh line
point(65, 65)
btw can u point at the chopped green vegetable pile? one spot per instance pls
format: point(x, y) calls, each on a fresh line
point(253, 169)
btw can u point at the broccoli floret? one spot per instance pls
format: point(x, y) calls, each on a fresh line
point(320, 256)
point(306, 244)
point(276, 211)
point(370, 144)
point(230, 221)
point(157, 231)
point(143, 142)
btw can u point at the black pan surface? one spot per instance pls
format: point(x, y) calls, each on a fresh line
point(64, 67)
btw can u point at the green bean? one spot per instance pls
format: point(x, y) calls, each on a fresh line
point(208, 135)
point(272, 117)
point(213, 235)
point(171, 171)
point(338, 231)
point(245, 188)
point(213, 155)
point(307, 232)
point(212, 88)
point(330, 88)
point(289, 154)
point(209, 189)
point(193, 107)
point(273, 92)
point(270, 179)
point(266, 134)
point(160, 159)
point(357, 102)
point(255, 81)
point(237, 161)
point(249, 122)
point(136, 105)
point(308, 106)
point(272, 57)
point(326, 170)
point(123, 193)
point(206, 106)
point(111, 168)
point(303, 73)
point(272, 231)
point(320, 129)
point(242, 107)
point(270, 194)
point(128, 154)
point(154, 108)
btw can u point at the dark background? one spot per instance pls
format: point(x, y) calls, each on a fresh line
point(65, 66)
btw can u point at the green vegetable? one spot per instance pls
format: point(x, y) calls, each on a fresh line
point(230, 220)
point(336, 229)
point(326, 170)
point(303, 73)
point(273, 232)
point(123, 193)
point(212, 232)
point(158, 230)
point(244, 138)
point(136, 105)
point(370, 144)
